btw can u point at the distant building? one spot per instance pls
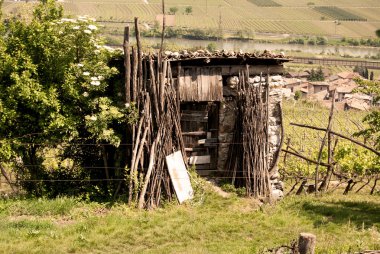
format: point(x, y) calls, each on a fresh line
point(299, 75)
point(319, 86)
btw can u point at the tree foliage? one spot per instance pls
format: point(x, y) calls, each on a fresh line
point(373, 118)
point(316, 75)
point(56, 93)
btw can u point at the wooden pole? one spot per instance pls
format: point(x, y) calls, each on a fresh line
point(339, 135)
point(306, 243)
point(127, 65)
point(4, 173)
point(163, 27)
point(135, 92)
point(329, 126)
point(139, 55)
point(148, 174)
point(287, 148)
point(133, 162)
point(305, 158)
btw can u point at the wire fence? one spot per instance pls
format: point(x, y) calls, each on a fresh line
point(308, 141)
point(304, 141)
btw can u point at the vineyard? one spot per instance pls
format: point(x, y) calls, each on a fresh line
point(265, 3)
point(354, 165)
point(257, 16)
point(338, 14)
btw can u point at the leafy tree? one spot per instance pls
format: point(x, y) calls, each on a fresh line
point(173, 10)
point(297, 95)
point(378, 33)
point(56, 94)
point(211, 47)
point(372, 119)
point(316, 75)
point(189, 10)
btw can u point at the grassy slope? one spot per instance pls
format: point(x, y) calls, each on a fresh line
point(215, 225)
point(294, 17)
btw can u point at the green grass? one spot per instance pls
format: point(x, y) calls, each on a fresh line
point(211, 225)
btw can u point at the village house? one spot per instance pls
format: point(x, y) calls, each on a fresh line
point(318, 86)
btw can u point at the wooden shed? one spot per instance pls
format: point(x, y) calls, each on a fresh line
point(206, 94)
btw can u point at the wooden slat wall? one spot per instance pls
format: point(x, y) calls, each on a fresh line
point(201, 84)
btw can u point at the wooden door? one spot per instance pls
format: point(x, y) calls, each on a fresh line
point(199, 123)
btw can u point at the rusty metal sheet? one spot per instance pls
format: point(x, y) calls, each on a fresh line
point(179, 176)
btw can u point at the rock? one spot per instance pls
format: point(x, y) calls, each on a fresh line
point(275, 176)
point(277, 194)
point(232, 81)
point(276, 78)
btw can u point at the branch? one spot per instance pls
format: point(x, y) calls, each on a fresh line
point(339, 135)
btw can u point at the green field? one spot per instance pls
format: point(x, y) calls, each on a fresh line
point(280, 16)
point(211, 224)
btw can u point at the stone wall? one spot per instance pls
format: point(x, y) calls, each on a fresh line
point(227, 117)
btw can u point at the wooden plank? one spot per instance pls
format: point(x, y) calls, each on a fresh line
point(212, 84)
point(179, 176)
point(192, 118)
point(195, 149)
point(219, 80)
point(197, 160)
point(199, 83)
point(181, 83)
point(205, 79)
point(187, 95)
point(194, 133)
point(207, 141)
point(200, 112)
point(194, 85)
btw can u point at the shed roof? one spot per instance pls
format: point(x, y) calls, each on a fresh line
point(224, 57)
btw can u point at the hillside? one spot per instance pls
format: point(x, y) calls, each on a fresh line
point(357, 18)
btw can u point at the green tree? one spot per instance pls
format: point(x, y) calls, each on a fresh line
point(316, 75)
point(297, 95)
point(372, 119)
point(378, 33)
point(56, 94)
point(173, 10)
point(189, 10)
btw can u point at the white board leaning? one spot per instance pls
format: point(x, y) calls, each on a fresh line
point(179, 176)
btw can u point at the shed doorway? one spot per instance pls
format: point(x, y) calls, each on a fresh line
point(200, 127)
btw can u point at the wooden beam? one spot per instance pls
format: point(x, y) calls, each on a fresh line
point(337, 134)
point(198, 160)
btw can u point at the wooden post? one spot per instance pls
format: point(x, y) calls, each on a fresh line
point(287, 148)
point(163, 27)
point(135, 91)
point(139, 55)
point(306, 243)
point(7, 178)
point(338, 135)
point(127, 65)
point(148, 174)
point(329, 125)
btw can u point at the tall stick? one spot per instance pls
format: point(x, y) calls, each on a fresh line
point(338, 135)
point(324, 142)
point(134, 155)
point(4, 173)
point(139, 55)
point(148, 173)
point(163, 27)
point(134, 77)
point(127, 65)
